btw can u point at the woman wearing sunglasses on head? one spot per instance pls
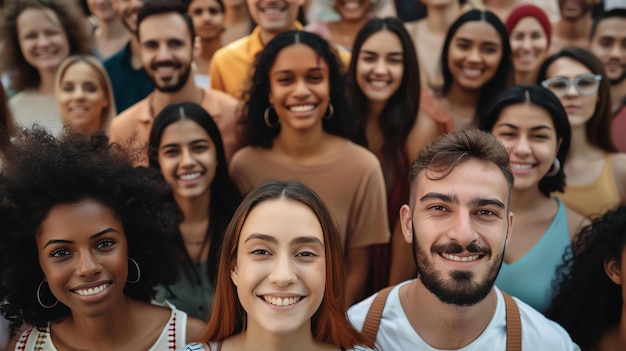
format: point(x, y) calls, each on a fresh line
point(595, 171)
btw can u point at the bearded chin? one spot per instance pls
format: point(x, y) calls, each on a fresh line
point(619, 79)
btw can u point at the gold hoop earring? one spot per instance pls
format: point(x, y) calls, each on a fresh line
point(331, 111)
point(266, 117)
point(138, 272)
point(39, 297)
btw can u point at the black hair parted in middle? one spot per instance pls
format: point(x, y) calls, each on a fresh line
point(257, 98)
point(544, 98)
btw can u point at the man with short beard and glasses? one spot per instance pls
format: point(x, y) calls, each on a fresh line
point(574, 25)
point(458, 221)
point(608, 43)
point(165, 34)
point(128, 78)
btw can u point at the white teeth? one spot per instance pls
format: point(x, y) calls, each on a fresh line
point(272, 11)
point(459, 259)
point(165, 69)
point(521, 166)
point(352, 5)
point(190, 176)
point(378, 83)
point(278, 301)
point(91, 291)
point(302, 108)
point(472, 73)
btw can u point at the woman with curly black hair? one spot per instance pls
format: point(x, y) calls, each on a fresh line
point(295, 128)
point(589, 302)
point(85, 239)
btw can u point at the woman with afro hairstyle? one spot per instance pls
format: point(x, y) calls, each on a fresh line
point(589, 302)
point(85, 239)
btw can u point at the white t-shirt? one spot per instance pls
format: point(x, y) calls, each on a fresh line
point(396, 333)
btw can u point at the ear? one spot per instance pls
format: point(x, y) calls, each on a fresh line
point(234, 273)
point(406, 223)
point(510, 229)
point(613, 270)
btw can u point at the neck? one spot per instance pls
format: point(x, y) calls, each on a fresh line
point(618, 94)
point(573, 30)
point(499, 4)
point(374, 109)
point(46, 86)
point(300, 145)
point(529, 77)
point(194, 209)
point(526, 200)
point(235, 14)
point(254, 338)
point(579, 146)
point(210, 46)
point(189, 93)
point(440, 18)
point(110, 29)
point(445, 326)
point(462, 97)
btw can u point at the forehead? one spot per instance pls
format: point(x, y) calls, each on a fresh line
point(382, 41)
point(164, 25)
point(35, 18)
point(566, 67)
point(298, 57)
point(528, 23)
point(469, 180)
point(478, 31)
point(184, 130)
point(525, 115)
point(282, 219)
point(611, 27)
point(80, 70)
point(77, 220)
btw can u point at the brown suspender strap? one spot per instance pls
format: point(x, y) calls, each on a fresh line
point(372, 320)
point(513, 324)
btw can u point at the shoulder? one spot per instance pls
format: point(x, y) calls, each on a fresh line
point(619, 164)
point(112, 62)
point(229, 50)
point(539, 330)
point(124, 122)
point(360, 155)
point(224, 100)
point(575, 221)
point(358, 312)
point(244, 156)
point(195, 329)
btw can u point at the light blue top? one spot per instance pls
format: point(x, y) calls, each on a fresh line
point(530, 277)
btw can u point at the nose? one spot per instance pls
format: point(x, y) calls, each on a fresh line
point(474, 55)
point(462, 230)
point(78, 93)
point(186, 158)
point(571, 89)
point(301, 89)
point(527, 43)
point(380, 67)
point(521, 146)
point(43, 40)
point(163, 53)
point(87, 264)
point(616, 50)
point(283, 273)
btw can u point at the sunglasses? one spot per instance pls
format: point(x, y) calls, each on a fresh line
point(585, 84)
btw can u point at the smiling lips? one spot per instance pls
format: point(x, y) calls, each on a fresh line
point(455, 258)
point(92, 291)
point(302, 108)
point(282, 301)
point(190, 176)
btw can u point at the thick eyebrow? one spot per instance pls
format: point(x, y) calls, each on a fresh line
point(439, 196)
point(539, 127)
point(197, 141)
point(95, 236)
point(273, 240)
point(477, 202)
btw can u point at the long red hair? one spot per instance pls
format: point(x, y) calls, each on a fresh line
point(329, 324)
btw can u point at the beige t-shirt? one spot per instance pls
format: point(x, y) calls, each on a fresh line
point(351, 184)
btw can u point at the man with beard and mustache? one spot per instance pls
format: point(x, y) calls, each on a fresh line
point(574, 26)
point(165, 34)
point(128, 78)
point(459, 223)
point(608, 43)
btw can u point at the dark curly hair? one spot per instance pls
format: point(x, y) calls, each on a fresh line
point(503, 77)
point(23, 75)
point(224, 194)
point(257, 98)
point(544, 98)
point(50, 171)
point(588, 303)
